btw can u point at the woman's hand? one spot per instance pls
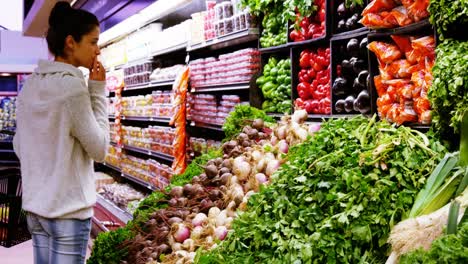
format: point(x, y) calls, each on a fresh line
point(97, 72)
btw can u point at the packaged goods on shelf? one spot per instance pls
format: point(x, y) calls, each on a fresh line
point(114, 132)
point(149, 171)
point(157, 104)
point(112, 156)
point(111, 105)
point(8, 113)
point(170, 37)
point(389, 14)
point(234, 67)
point(101, 179)
point(166, 74)
point(138, 42)
point(205, 108)
point(405, 66)
point(156, 138)
point(200, 146)
point(120, 194)
point(138, 74)
point(114, 54)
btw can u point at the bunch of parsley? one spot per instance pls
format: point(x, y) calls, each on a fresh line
point(335, 199)
point(449, 17)
point(240, 117)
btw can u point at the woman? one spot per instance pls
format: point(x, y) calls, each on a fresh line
point(62, 127)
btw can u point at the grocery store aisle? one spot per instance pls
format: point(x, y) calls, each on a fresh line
point(22, 253)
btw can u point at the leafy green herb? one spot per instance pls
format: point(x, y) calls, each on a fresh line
point(335, 199)
point(447, 15)
point(240, 117)
point(107, 247)
point(445, 250)
point(449, 91)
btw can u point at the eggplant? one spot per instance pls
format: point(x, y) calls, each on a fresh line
point(358, 66)
point(353, 9)
point(351, 23)
point(342, 25)
point(362, 102)
point(353, 46)
point(349, 104)
point(340, 106)
point(339, 86)
point(357, 86)
point(346, 65)
point(368, 81)
point(362, 77)
point(341, 10)
point(363, 44)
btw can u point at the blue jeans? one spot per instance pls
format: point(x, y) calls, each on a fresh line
point(59, 241)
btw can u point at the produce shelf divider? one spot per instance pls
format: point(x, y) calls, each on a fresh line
point(148, 85)
point(205, 125)
point(275, 49)
point(221, 87)
point(150, 153)
point(123, 215)
point(417, 27)
point(132, 178)
point(147, 119)
point(228, 40)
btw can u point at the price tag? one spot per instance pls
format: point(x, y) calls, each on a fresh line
point(149, 152)
point(151, 119)
point(149, 187)
point(122, 175)
point(123, 117)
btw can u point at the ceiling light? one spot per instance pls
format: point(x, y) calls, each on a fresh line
point(5, 74)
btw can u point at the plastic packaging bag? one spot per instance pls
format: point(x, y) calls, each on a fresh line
point(418, 10)
point(400, 69)
point(372, 20)
point(385, 52)
point(399, 17)
point(403, 43)
point(379, 86)
point(424, 47)
point(377, 6)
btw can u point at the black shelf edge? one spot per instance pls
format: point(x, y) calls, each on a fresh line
point(149, 85)
point(147, 119)
point(317, 41)
point(132, 178)
point(415, 27)
point(148, 152)
point(206, 125)
point(221, 87)
point(313, 117)
point(274, 49)
point(350, 34)
point(111, 117)
point(236, 37)
point(276, 115)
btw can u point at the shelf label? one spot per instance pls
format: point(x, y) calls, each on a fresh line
point(149, 152)
point(151, 119)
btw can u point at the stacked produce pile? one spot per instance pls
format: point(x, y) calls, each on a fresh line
point(349, 15)
point(405, 77)
point(121, 195)
point(310, 27)
point(200, 213)
point(390, 14)
point(275, 84)
point(335, 198)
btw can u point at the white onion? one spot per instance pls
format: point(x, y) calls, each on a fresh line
point(233, 180)
point(247, 186)
point(261, 165)
point(213, 212)
point(228, 221)
point(256, 155)
point(272, 166)
point(274, 140)
point(199, 219)
point(221, 232)
point(182, 233)
point(181, 253)
point(197, 232)
point(242, 170)
point(299, 116)
point(269, 156)
point(237, 193)
point(176, 246)
point(189, 245)
point(283, 146)
point(281, 132)
point(209, 240)
point(261, 178)
point(221, 218)
point(248, 194)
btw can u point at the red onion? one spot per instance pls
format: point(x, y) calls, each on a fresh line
point(314, 127)
point(199, 219)
point(221, 232)
point(177, 192)
point(274, 140)
point(283, 146)
point(261, 178)
point(174, 220)
point(182, 233)
point(272, 166)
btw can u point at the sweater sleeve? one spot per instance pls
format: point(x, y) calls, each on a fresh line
point(89, 120)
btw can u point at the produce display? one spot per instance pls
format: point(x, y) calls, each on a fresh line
point(405, 66)
point(274, 31)
point(113, 156)
point(7, 113)
point(311, 27)
point(391, 13)
point(165, 74)
point(335, 199)
point(204, 108)
point(156, 138)
point(347, 15)
point(199, 146)
point(351, 84)
point(120, 194)
point(149, 171)
point(448, 94)
point(275, 84)
point(449, 19)
point(314, 82)
point(233, 67)
point(157, 104)
point(235, 122)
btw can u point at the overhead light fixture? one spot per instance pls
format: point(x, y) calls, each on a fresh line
point(5, 74)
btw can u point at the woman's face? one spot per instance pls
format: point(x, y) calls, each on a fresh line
point(85, 52)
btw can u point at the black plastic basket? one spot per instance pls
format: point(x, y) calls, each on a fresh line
point(13, 227)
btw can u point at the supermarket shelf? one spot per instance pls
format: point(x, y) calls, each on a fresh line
point(175, 48)
point(147, 119)
point(276, 115)
point(149, 85)
point(98, 223)
point(132, 178)
point(312, 117)
point(413, 28)
point(122, 215)
point(309, 42)
point(205, 125)
point(111, 117)
point(228, 40)
point(274, 49)
point(149, 152)
point(222, 87)
point(350, 34)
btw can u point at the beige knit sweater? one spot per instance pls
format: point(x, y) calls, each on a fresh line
point(62, 126)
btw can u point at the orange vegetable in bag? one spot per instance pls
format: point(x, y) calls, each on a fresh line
point(383, 110)
point(379, 86)
point(421, 104)
point(393, 113)
point(424, 46)
point(384, 100)
point(403, 42)
point(418, 10)
point(397, 82)
point(400, 69)
point(405, 92)
point(372, 20)
point(399, 17)
point(425, 117)
point(378, 6)
point(385, 52)
point(393, 93)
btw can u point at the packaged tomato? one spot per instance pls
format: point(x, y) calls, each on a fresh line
point(385, 52)
point(394, 112)
point(383, 110)
point(405, 92)
point(406, 113)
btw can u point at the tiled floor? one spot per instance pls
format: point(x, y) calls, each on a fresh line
point(20, 254)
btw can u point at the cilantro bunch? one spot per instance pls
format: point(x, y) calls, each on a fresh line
point(449, 17)
point(449, 91)
point(240, 117)
point(335, 199)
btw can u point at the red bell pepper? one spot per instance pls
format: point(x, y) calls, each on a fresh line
point(304, 59)
point(312, 74)
point(299, 103)
point(303, 90)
